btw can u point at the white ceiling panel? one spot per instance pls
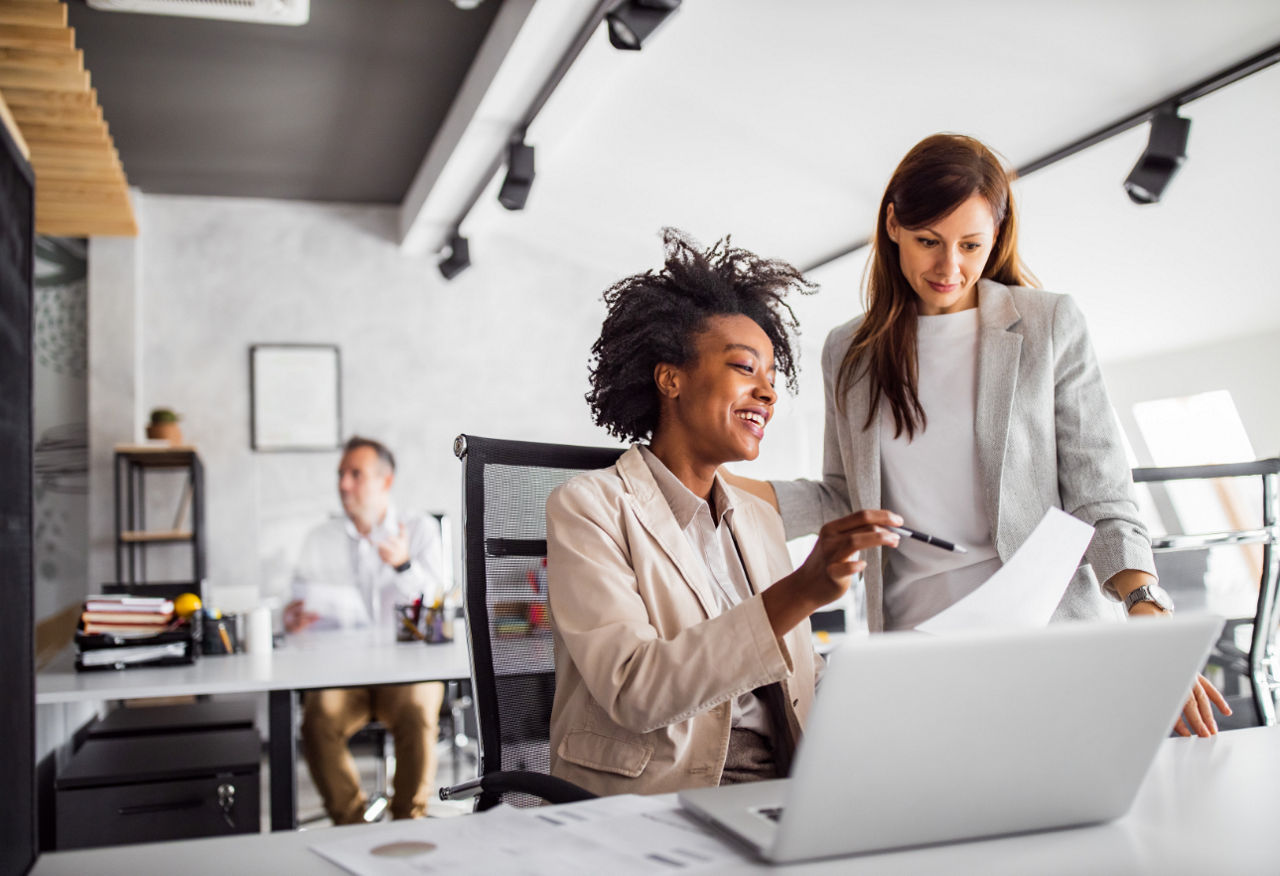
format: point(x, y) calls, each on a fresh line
point(779, 122)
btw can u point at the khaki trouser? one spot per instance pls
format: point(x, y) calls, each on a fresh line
point(411, 712)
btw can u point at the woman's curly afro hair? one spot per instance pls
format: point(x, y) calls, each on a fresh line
point(656, 316)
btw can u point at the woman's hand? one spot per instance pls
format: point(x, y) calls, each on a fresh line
point(828, 571)
point(1197, 714)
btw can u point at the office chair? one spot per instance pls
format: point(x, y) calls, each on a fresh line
point(504, 548)
point(1255, 668)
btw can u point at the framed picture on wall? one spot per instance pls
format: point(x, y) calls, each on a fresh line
point(295, 397)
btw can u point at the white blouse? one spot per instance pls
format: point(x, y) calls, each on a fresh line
point(933, 481)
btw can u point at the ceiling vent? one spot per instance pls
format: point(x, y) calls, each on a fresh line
point(258, 11)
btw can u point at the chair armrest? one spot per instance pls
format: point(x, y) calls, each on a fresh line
point(540, 785)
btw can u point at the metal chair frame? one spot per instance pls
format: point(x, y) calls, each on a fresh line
point(1259, 664)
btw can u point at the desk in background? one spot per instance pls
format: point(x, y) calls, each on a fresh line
point(1207, 806)
point(307, 661)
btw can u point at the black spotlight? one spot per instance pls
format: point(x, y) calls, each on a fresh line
point(515, 188)
point(459, 258)
point(632, 22)
point(1165, 152)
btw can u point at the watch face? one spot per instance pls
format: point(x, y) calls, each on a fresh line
point(1152, 593)
point(1161, 597)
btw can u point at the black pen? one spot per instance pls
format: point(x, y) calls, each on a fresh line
point(927, 539)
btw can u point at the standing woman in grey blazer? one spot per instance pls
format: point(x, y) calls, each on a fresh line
point(970, 403)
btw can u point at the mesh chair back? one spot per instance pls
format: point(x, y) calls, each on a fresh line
point(504, 549)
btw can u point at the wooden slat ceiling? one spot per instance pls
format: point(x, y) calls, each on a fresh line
point(81, 190)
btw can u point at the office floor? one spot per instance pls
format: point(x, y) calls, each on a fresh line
point(311, 810)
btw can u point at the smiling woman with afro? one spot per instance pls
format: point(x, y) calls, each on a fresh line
point(682, 643)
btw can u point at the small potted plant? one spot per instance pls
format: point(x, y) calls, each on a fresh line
point(164, 426)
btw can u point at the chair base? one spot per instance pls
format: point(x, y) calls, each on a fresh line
point(377, 809)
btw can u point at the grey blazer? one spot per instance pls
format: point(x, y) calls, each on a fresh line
point(1047, 437)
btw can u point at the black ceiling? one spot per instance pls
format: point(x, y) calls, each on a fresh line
point(342, 108)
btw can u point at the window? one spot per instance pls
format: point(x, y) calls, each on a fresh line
point(1205, 429)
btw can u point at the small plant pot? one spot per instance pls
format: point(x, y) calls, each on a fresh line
point(170, 432)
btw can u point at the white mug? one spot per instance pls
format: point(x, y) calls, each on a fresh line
point(257, 635)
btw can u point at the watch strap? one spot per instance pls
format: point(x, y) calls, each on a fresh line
point(1154, 594)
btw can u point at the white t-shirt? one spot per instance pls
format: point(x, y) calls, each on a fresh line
point(933, 481)
point(341, 576)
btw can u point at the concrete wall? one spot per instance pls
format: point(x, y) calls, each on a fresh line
point(59, 417)
point(500, 351)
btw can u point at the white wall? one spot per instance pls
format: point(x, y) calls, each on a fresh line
point(501, 351)
point(1246, 367)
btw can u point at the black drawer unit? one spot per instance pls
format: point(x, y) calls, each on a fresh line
point(160, 787)
point(209, 715)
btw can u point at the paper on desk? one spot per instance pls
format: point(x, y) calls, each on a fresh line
point(1025, 591)
point(661, 840)
point(132, 654)
point(338, 605)
point(620, 835)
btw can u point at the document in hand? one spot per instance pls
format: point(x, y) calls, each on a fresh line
point(1026, 590)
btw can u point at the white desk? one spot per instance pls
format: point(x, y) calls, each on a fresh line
point(1207, 806)
point(307, 661)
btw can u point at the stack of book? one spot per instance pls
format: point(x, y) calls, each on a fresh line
point(127, 616)
point(117, 631)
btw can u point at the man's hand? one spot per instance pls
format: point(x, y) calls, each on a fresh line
point(828, 571)
point(395, 550)
point(297, 618)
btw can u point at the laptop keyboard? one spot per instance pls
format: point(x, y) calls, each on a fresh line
point(773, 813)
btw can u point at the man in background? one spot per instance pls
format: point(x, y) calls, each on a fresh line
point(352, 572)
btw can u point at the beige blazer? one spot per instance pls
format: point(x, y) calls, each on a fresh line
point(1046, 434)
point(646, 671)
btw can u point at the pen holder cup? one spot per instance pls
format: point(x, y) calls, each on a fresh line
point(421, 623)
point(219, 635)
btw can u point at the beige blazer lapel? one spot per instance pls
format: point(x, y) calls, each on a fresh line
point(754, 559)
point(998, 356)
point(655, 516)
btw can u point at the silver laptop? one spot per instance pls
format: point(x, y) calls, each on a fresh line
point(916, 739)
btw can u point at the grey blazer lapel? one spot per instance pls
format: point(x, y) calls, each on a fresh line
point(998, 357)
point(865, 485)
point(655, 516)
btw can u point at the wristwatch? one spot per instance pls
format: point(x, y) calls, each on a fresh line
point(1152, 593)
point(404, 567)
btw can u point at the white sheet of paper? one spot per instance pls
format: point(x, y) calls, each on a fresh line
point(620, 835)
point(340, 606)
point(1027, 589)
point(500, 841)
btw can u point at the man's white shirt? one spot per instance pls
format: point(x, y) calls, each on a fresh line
point(342, 578)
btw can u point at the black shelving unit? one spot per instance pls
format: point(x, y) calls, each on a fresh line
point(132, 465)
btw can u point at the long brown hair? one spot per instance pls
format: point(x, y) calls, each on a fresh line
point(938, 174)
